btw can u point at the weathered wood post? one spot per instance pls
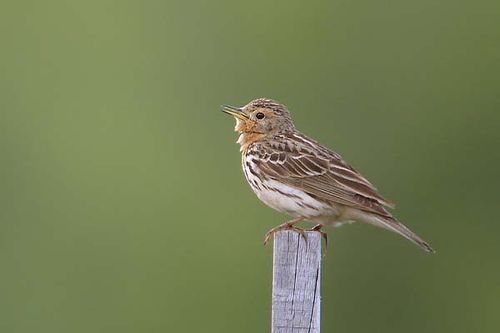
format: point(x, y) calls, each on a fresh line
point(296, 282)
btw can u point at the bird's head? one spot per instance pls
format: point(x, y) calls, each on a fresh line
point(261, 116)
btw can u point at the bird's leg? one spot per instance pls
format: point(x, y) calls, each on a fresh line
point(289, 225)
point(317, 228)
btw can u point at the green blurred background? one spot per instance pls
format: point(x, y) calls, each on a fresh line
point(123, 206)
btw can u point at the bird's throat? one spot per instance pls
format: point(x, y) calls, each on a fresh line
point(247, 138)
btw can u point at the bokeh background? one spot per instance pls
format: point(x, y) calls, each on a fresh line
point(123, 207)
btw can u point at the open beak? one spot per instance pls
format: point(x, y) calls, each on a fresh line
point(234, 111)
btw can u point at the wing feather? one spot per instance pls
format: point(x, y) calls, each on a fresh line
point(302, 163)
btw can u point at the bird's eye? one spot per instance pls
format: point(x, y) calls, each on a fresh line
point(259, 115)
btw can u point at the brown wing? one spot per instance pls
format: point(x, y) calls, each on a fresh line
point(303, 163)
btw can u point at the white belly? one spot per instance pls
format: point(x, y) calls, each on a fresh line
point(287, 199)
point(290, 200)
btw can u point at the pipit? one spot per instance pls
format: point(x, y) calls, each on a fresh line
point(294, 174)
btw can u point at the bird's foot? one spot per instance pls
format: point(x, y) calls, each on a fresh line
point(317, 228)
point(290, 225)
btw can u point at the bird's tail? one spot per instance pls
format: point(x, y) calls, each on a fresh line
point(394, 225)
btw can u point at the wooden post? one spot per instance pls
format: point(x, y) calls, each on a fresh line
point(296, 282)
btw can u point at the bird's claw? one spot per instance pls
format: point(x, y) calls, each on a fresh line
point(317, 228)
point(285, 226)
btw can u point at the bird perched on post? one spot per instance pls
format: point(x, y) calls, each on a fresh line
point(294, 174)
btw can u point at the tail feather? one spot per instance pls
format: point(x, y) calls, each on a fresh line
point(394, 225)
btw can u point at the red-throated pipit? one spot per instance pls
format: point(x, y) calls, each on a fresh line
point(294, 174)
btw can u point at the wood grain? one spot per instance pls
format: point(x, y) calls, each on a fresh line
point(296, 282)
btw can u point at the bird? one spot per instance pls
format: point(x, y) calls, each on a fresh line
point(294, 174)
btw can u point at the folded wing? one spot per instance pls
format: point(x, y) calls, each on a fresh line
point(297, 161)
